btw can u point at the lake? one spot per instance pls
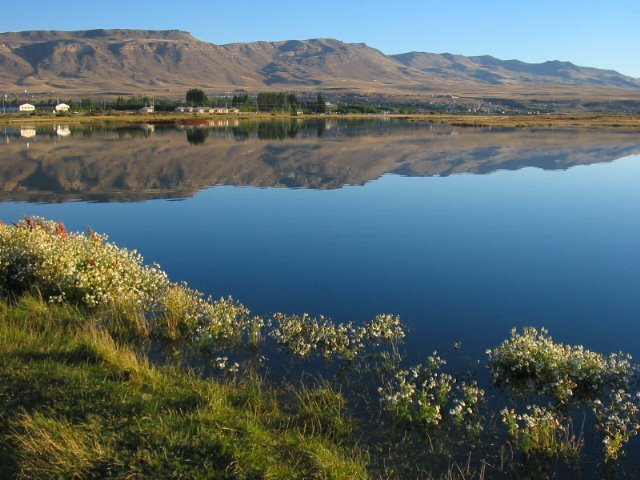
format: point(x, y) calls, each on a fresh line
point(464, 232)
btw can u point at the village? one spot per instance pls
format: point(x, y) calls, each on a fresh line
point(64, 108)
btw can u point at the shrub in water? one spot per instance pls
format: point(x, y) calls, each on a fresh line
point(420, 393)
point(618, 418)
point(531, 362)
point(302, 335)
point(542, 431)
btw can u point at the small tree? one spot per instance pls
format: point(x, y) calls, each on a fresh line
point(294, 103)
point(86, 104)
point(321, 104)
point(196, 96)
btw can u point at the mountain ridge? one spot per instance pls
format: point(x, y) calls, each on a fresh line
point(134, 61)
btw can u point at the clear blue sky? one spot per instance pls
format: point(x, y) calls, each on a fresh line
point(587, 32)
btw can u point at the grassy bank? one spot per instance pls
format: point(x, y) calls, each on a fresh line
point(574, 121)
point(76, 403)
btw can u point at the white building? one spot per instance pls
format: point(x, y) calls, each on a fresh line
point(26, 107)
point(147, 109)
point(62, 107)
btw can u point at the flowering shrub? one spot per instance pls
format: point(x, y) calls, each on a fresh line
point(303, 335)
point(532, 362)
point(542, 431)
point(419, 394)
point(422, 393)
point(184, 313)
point(618, 418)
point(40, 256)
point(465, 411)
point(224, 319)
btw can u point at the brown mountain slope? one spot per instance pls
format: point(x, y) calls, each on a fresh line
point(118, 61)
point(324, 62)
point(140, 61)
point(490, 70)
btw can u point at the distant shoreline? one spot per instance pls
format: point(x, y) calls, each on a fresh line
point(581, 121)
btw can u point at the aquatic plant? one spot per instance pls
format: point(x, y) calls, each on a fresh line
point(531, 362)
point(421, 396)
point(618, 418)
point(542, 431)
point(466, 407)
point(303, 335)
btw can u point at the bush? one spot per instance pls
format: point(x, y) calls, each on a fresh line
point(542, 432)
point(532, 362)
point(303, 335)
point(40, 256)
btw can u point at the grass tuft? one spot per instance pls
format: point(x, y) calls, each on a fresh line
point(50, 448)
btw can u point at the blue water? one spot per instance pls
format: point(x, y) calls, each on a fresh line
point(461, 258)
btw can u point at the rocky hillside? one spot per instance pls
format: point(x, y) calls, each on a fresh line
point(140, 61)
point(493, 71)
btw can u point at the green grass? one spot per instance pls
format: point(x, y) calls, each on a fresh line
point(75, 403)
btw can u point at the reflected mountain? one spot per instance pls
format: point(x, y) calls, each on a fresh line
point(134, 163)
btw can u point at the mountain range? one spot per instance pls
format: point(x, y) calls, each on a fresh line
point(117, 62)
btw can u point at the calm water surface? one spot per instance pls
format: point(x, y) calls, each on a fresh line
point(465, 233)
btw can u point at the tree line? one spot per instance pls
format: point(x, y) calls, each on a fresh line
point(263, 102)
point(274, 101)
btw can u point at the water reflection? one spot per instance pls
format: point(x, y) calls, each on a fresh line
point(63, 130)
point(197, 136)
point(138, 162)
point(28, 132)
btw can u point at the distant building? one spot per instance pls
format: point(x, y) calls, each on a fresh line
point(26, 107)
point(147, 109)
point(62, 107)
point(180, 109)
